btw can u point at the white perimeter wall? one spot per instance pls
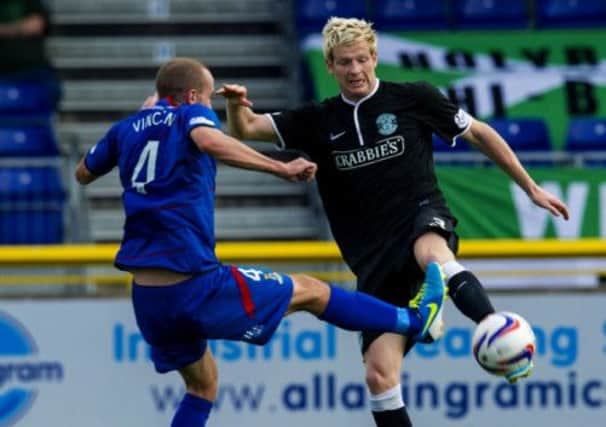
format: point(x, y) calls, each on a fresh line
point(310, 375)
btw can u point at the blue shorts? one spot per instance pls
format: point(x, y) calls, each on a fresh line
point(233, 303)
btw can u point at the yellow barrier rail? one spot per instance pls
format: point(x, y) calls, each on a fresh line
point(301, 251)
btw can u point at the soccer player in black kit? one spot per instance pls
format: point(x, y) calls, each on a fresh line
point(373, 147)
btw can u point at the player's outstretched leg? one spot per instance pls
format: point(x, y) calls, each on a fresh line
point(428, 303)
point(358, 311)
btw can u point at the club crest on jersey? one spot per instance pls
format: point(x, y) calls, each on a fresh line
point(387, 124)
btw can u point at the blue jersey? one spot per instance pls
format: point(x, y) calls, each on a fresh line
point(168, 187)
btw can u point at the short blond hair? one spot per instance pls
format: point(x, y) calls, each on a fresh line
point(346, 31)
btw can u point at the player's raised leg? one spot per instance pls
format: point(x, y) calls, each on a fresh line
point(361, 312)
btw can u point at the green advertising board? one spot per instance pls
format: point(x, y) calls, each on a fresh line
point(552, 75)
point(489, 205)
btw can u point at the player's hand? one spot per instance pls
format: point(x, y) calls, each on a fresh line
point(150, 101)
point(300, 169)
point(550, 202)
point(235, 94)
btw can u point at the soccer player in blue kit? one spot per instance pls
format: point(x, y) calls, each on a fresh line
point(182, 295)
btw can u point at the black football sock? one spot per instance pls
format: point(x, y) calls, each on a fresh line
point(469, 296)
point(393, 418)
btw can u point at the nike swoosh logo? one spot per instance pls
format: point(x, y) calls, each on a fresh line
point(433, 310)
point(336, 136)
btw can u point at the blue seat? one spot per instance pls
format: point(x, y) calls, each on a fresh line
point(570, 13)
point(311, 15)
point(23, 98)
point(24, 104)
point(490, 14)
point(31, 205)
point(440, 145)
point(459, 155)
point(523, 134)
point(586, 134)
point(27, 142)
point(403, 15)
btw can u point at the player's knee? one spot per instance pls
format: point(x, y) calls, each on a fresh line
point(432, 247)
point(309, 294)
point(205, 388)
point(379, 379)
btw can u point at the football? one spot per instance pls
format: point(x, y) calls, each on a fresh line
point(504, 345)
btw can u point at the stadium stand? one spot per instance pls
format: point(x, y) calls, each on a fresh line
point(570, 13)
point(523, 134)
point(24, 103)
point(529, 138)
point(311, 15)
point(134, 52)
point(462, 154)
point(31, 210)
point(163, 11)
point(27, 141)
point(402, 15)
point(31, 188)
point(489, 14)
point(586, 138)
point(108, 69)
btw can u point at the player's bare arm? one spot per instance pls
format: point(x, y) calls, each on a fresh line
point(232, 152)
point(83, 175)
point(32, 25)
point(489, 142)
point(243, 122)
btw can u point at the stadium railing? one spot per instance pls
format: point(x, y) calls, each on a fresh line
point(87, 269)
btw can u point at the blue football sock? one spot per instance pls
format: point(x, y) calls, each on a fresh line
point(192, 411)
point(357, 311)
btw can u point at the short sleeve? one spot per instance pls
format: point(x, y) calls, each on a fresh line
point(199, 115)
point(103, 156)
point(294, 127)
point(441, 114)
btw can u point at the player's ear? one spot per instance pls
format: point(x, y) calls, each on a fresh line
point(190, 96)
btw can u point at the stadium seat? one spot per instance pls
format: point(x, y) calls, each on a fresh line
point(570, 13)
point(311, 15)
point(439, 145)
point(27, 142)
point(24, 104)
point(402, 15)
point(523, 134)
point(31, 205)
point(23, 98)
point(587, 134)
point(459, 155)
point(489, 14)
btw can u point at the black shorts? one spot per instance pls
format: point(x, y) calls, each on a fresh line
point(392, 273)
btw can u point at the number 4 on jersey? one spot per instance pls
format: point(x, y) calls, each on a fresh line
point(149, 154)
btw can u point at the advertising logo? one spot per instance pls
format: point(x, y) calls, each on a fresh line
point(21, 371)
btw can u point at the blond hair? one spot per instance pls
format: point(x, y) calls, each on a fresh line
point(346, 31)
point(179, 75)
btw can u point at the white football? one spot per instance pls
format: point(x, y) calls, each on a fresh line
point(504, 343)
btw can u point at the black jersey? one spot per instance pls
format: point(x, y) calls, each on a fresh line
point(374, 156)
